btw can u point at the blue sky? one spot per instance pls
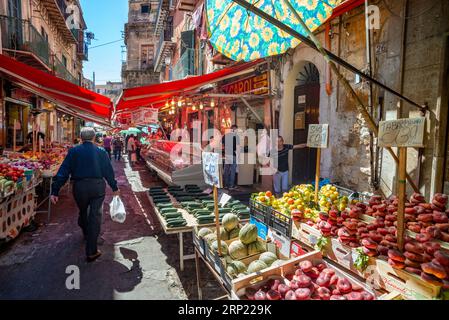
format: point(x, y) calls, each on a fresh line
point(106, 19)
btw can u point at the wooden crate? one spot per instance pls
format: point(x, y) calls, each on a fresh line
point(391, 296)
point(307, 234)
point(410, 286)
point(258, 279)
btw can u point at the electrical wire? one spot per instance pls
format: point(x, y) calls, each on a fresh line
point(409, 17)
point(105, 44)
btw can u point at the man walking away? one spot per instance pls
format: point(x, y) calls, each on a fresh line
point(89, 167)
point(117, 145)
point(280, 178)
point(230, 142)
point(107, 144)
point(131, 148)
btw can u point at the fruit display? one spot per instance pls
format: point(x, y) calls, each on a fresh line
point(309, 281)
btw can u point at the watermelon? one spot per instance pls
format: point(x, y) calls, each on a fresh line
point(248, 234)
point(230, 221)
point(237, 250)
point(256, 266)
point(204, 232)
point(210, 238)
point(224, 235)
point(235, 268)
point(268, 258)
point(277, 263)
point(234, 233)
point(256, 247)
point(224, 247)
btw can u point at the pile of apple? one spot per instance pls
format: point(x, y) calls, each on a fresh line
point(310, 282)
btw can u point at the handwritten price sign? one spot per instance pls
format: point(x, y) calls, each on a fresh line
point(211, 169)
point(318, 136)
point(402, 133)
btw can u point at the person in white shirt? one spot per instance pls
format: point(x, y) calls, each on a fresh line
point(131, 148)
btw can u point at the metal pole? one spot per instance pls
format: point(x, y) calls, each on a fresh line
point(330, 55)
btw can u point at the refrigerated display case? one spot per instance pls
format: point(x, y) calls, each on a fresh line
point(176, 163)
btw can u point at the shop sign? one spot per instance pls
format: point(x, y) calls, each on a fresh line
point(150, 115)
point(252, 85)
point(212, 169)
point(301, 99)
point(137, 117)
point(318, 136)
point(402, 133)
point(282, 242)
point(22, 95)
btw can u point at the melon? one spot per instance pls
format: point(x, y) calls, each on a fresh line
point(237, 250)
point(224, 247)
point(277, 263)
point(235, 268)
point(248, 234)
point(256, 247)
point(211, 237)
point(204, 232)
point(268, 258)
point(224, 235)
point(234, 233)
point(256, 266)
point(230, 221)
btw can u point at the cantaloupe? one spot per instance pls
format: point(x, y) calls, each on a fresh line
point(235, 268)
point(224, 247)
point(204, 232)
point(256, 266)
point(237, 250)
point(230, 221)
point(248, 234)
point(256, 247)
point(268, 258)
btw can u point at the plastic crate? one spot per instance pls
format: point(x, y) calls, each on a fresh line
point(281, 223)
point(260, 211)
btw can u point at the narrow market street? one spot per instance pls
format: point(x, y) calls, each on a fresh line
point(138, 261)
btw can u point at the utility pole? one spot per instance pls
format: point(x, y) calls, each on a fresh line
point(93, 80)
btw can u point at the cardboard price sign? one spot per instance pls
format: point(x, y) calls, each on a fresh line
point(212, 169)
point(407, 133)
point(282, 243)
point(150, 115)
point(318, 136)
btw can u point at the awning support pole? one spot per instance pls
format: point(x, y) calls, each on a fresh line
point(252, 111)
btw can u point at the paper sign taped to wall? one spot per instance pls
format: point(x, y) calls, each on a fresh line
point(402, 133)
point(318, 136)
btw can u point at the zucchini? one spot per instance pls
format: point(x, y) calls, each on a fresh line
point(168, 210)
point(172, 215)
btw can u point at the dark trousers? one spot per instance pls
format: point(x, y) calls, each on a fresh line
point(89, 196)
point(108, 150)
point(117, 154)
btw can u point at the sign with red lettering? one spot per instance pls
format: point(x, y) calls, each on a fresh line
point(252, 85)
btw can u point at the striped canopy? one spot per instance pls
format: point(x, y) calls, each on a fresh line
point(241, 35)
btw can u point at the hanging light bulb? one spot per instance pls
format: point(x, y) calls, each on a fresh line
point(166, 104)
point(212, 103)
point(179, 103)
point(201, 106)
point(194, 108)
point(173, 101)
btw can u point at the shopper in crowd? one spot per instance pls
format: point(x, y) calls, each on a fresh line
point(117, 145)
point(230, 142)
point(107, 139)
point(131, 149)
point(138, 148)
point(280, 178)
point(89, 167)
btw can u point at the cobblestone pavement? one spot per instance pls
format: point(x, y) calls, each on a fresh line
point(139, 261)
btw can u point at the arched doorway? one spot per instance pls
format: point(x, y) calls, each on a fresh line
point(306, 111)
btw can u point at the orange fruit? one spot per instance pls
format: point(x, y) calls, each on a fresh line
point(268, 193)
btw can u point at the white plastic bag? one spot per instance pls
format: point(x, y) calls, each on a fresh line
point(117, 210)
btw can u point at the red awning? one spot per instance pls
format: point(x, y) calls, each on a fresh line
point(155, 95)
point(53, 88)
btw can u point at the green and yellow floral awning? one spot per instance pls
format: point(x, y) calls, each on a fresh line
point(241, 35)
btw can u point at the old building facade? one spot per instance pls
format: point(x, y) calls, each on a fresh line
point(138, 70)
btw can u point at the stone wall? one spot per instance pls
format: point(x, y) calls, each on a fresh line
point(347, 160)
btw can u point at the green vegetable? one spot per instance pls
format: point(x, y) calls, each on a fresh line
point(321, 243)
point(361, 263)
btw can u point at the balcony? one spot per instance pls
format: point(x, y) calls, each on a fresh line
point(186, 5)
point(165, 47)
point(185, 66)
point(21, 40)
point(60, 70)
point(162, 13)
point(82, 49)
point(56, 10)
